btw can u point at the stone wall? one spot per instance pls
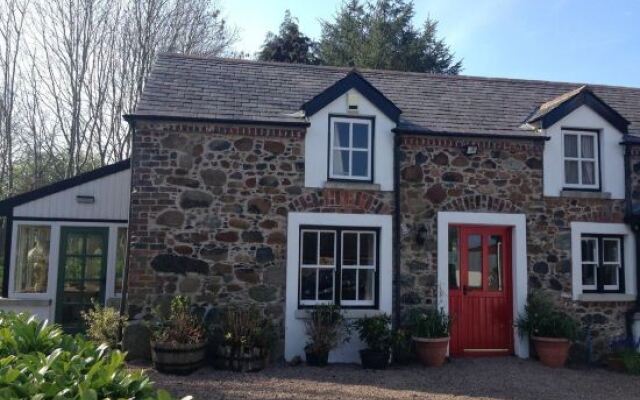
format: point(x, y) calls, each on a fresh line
point(209, 212)
point(504, 176)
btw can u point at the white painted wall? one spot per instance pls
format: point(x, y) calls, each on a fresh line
point(580, 228)
point(111, 193)
point(317, 143)
point(611, 153)
point(295, 337)
point(519, 261)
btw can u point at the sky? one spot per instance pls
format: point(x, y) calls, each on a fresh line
point(588, 41)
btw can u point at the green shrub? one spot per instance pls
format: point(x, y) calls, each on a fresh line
point(541, 318)
point(39, 361)
point(181, 327)
point(631, 361)
point(376, 332)
point(433, 323)
point(103, 325)
point(246, 328)
point(326, 329)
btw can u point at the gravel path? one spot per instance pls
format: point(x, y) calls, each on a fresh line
point(494, 378)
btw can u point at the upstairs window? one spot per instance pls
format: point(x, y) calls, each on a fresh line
point(602, 264)
point(581, 164)
point(350, 149)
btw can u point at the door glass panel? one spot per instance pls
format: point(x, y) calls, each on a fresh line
point(75, 244)
point(474, 261)
point(495, 263)
point(454, 262)
point(73, 268)
point(95, 245)
point(93, 268)
point(91, 289)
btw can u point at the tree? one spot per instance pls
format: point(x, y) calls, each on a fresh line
point(289, 45)
point(382, 35)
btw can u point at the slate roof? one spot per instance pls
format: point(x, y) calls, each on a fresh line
point(227, 89)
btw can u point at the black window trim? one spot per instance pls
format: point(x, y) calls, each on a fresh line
point(372, 120)
point(599, 159)
point(337, 281)
point(599, 271)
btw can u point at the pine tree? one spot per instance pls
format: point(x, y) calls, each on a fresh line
point(382, 35)
point(289, 44)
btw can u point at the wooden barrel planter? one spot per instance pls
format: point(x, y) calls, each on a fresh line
point(241, 359)
point(179, 359)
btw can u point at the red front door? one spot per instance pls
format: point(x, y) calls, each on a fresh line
point(480, 291)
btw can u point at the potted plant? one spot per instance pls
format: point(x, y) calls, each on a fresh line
point(551, 330)
point(178, 342)
point(377, 334)
point(325, 328)
point(245, 340)
point(621, 352)
point(431, 336)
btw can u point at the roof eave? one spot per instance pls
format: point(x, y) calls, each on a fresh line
point(130, 118)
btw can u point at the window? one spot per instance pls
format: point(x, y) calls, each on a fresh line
point(338, 266)
point(121, 259)
point(602, 263)
point(350, 149)
point(32, 261)
point(580, 150)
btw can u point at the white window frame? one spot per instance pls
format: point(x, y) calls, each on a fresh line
point(579, 229)
point(350, 148)
point(617, 264)
point(318, 267)
point(593, 264)
point(579, 159)
point(357, 267)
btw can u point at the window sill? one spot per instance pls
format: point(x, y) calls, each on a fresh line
point(584, 194)
point(348, 314)
point(355, 185)
point(606, 297)
point(24, 302)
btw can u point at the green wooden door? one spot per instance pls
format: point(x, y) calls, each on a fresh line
point(81, 273)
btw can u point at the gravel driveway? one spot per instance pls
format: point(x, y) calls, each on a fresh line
point(495, 378)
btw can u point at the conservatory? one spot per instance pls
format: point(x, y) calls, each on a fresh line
point(65, 245)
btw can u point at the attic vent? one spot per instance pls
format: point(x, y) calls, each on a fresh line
point(352, 102)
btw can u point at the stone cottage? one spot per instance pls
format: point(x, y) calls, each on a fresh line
point(286, 186)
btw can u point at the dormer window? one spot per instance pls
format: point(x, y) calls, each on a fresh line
point(350, 149)
point(581, 163)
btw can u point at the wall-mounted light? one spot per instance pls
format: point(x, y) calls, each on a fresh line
point(85, 199)
point(421, 235)
point(471, 149)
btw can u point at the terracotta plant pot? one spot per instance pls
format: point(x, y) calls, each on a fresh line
point(372, 359)
point(432, 352)
point(553, 352)
point(179, 359)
